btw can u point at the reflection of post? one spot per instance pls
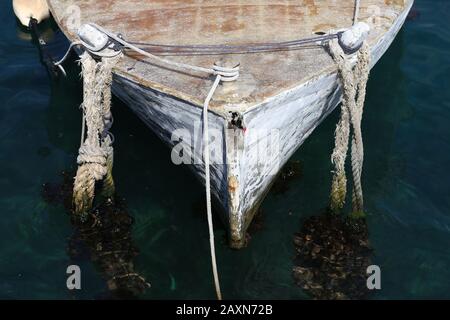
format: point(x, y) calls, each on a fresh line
point(106, 236)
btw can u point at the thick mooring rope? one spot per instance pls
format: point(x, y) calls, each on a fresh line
point(95, 157)
point(354, 81)
point(96, 154)
point(206, 158)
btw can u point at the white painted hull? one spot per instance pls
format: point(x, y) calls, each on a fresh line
point(241, 182)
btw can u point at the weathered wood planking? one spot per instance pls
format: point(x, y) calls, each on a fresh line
point(282, 91)
point(229, 22)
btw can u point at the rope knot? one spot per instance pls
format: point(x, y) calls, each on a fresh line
point(228, 74)
point(91, 154)
point(95, 156)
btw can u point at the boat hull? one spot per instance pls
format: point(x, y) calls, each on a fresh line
point(247, 158)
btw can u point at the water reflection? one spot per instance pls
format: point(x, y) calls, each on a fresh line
point(104, 239)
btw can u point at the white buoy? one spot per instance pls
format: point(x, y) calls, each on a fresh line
point(27, 9)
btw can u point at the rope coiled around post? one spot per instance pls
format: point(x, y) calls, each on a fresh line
point(354, 82)
point(95, 159)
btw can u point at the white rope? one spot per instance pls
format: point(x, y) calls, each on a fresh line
point(151, 56)
point(225, 74)
point(73, 44)
point(223, 71)
point(83, 127)
point(59, 63)
point(208, 185)
point(63, 71)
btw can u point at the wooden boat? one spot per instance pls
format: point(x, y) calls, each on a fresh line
point(289, 91)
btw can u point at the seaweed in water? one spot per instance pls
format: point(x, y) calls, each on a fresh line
point(107, 237)
point(332, 256)
point(59, 193)
point(256, 226)
point(104, 238)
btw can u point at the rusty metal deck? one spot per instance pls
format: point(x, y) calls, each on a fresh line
point(263, 75)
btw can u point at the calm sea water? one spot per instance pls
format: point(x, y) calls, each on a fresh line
point(406, 180)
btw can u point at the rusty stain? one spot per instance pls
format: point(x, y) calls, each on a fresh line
point(395, 2)
point(233, 25)
point(233, 184)
point(312, 7)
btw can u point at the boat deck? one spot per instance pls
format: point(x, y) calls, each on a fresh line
point(263, 75)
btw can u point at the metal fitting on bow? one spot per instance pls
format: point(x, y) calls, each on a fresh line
point(352, 39)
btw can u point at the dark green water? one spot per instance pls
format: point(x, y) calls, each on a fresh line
point(406, 181)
